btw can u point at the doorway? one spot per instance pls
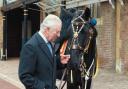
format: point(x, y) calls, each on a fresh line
point(14, 29)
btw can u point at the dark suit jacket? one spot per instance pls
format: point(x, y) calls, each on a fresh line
point(37, 66)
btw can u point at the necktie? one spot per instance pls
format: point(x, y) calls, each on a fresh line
point(49, 46)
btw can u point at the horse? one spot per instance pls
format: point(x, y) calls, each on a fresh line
point(78, 40)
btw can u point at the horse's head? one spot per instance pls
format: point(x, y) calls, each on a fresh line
point(82, 34)
point(78, 34)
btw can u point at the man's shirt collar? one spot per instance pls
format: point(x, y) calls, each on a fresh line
point(43, 37)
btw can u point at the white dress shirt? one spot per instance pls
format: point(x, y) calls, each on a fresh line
point(46, 41)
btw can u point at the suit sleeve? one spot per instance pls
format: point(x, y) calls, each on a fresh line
point(27, 67)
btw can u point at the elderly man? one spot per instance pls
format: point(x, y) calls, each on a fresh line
point(37, 68)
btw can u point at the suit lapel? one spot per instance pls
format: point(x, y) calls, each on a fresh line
point(44, 48)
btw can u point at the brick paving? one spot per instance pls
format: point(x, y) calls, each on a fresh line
point(109, 79)
point(106, 78)
point(6, 85)
point(9, 72)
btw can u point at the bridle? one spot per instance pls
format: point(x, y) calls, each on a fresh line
point(84, 50)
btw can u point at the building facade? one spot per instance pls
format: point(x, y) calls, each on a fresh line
point(112, 29)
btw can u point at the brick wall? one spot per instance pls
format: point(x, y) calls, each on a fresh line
point(124, 38)
point(106, 37)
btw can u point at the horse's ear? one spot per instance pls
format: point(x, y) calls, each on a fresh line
point(87, 14)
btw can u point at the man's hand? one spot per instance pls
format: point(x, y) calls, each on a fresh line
point(64, 58)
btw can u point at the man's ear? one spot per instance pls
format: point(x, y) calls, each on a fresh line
point(47, 30)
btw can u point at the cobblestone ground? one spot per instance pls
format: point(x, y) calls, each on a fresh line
point(6, 85)
point(108, 79)
point(9, 71)
point(105, 79)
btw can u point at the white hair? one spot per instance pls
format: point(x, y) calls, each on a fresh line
point(50, 21)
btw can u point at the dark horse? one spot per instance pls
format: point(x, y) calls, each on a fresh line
point(79, 33)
